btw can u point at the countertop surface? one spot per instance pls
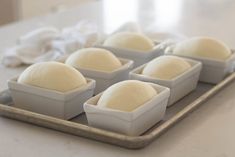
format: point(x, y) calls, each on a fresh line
point(208, 131)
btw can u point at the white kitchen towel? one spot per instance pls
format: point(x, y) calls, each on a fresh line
point(49, 43)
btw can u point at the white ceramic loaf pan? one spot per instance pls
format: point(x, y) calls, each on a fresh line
point(106, 79)
point(50, 102)
point(179, 86)
point(138, 57)
point(213, 71)
point(130, 123)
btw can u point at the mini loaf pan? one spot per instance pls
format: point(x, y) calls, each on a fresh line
point(179, 86)
point(130, 123)
point(213, 70)
point(50, 102)
point(106, 79)
point(138, 57)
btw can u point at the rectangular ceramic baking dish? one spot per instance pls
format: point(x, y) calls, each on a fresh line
point(179, 86)
point(138, 57)
point(78, 126)
point(106, 79)
point(49, 102)
point(214, 71)
point(131, 123)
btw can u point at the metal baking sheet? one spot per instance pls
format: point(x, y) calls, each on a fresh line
point(78, 125)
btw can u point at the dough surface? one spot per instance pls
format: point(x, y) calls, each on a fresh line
point(129, 40)
point(52, 75)
point(127, 95)
point(94, 59)
point(203, 47)
point(166, 67)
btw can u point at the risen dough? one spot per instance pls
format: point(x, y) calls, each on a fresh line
point(52, 75)
point(166, 67)
point(128, 40)
point(203, 47)
point(95, 59)
point(127, 95)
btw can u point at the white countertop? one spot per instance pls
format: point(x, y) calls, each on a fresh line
point(208, 131)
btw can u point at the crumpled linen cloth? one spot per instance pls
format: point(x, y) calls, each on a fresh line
point(50, 43)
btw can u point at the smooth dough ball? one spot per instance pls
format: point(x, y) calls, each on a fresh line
point(52, 75)
point(166, 67)
point(127, 95)
point(203, 47)
point(94, 59)
point(129, 40)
